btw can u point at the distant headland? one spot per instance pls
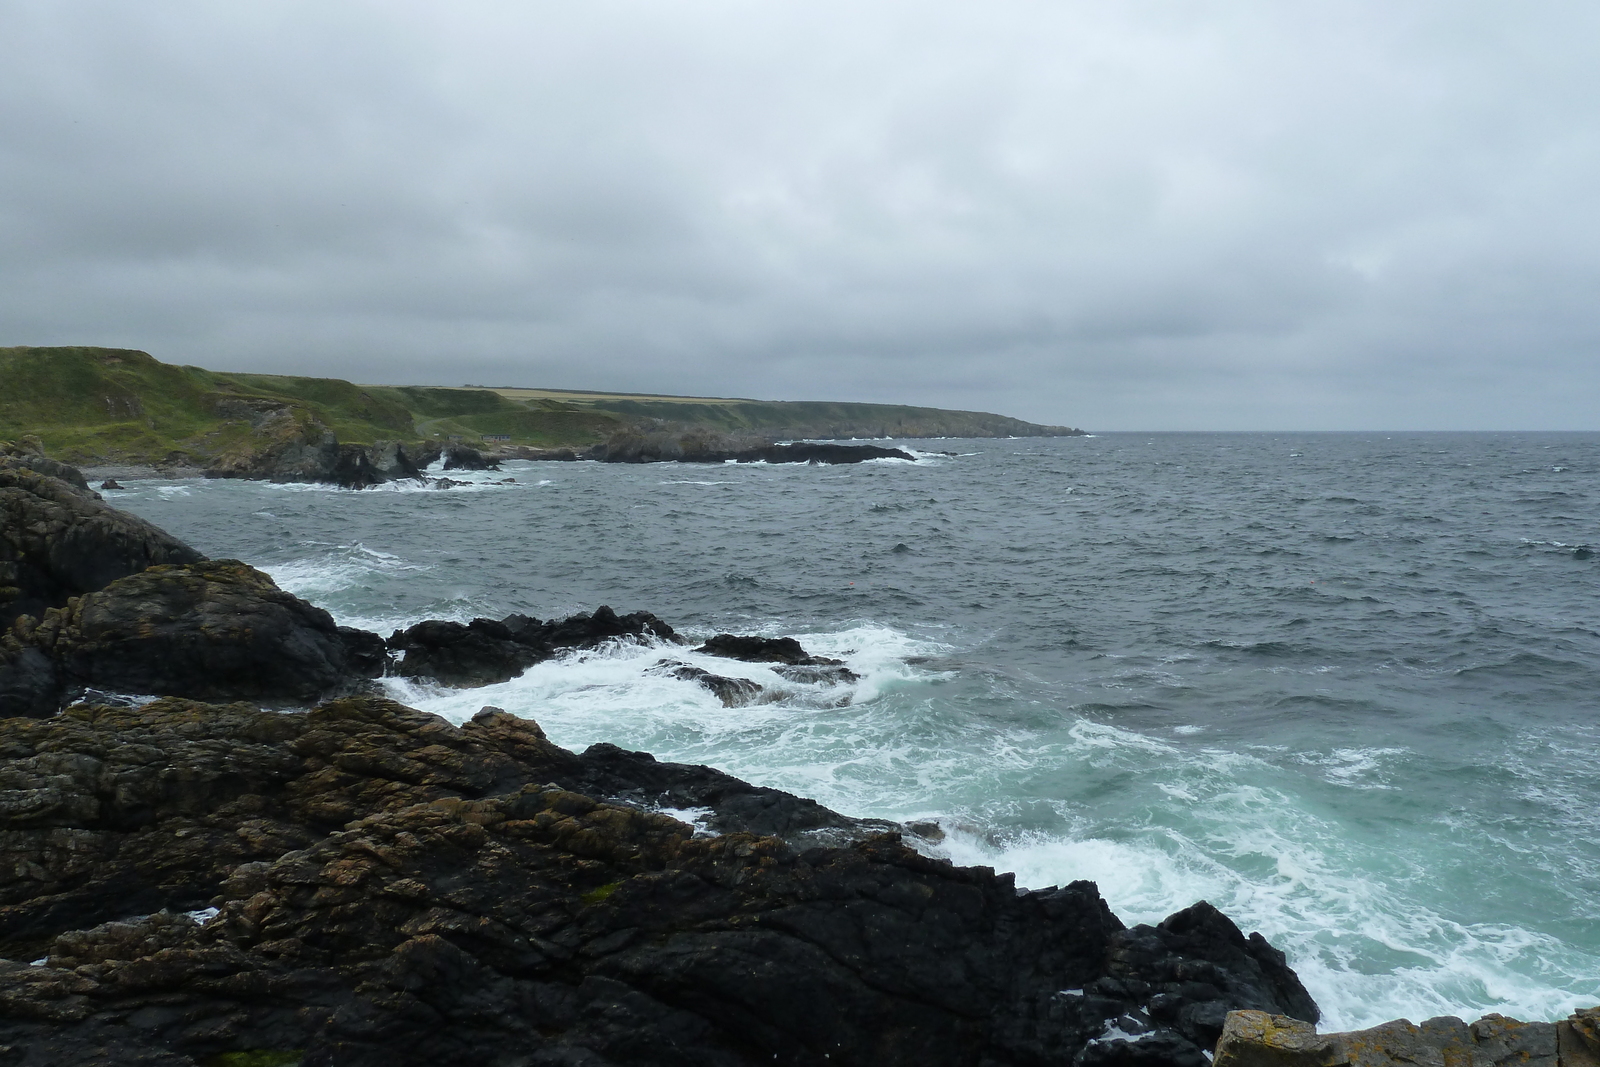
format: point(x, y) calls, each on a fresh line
point(109, 406)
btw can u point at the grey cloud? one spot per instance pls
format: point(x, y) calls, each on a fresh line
point(1142, 215)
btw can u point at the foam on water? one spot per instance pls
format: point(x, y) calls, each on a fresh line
point(1345, 695)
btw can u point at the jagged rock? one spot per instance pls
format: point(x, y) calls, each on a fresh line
point(733, 692)
point(1261, 1039)
point(213, 630)
point(486, 651)
point(59, 540)
point(462, 458)
point(793, 661)
point(289, 444)
point(392, 460)
point(393, 890)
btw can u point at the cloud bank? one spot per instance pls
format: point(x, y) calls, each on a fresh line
point(1141, 214)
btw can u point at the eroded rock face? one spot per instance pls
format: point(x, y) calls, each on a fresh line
point(60, 540)
point(1260, 1039)
point(462, 458)
point(394, 890)
point(211, 630)
point(486, 651)
point(287, 444)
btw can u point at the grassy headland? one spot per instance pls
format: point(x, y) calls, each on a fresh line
point(112, 405)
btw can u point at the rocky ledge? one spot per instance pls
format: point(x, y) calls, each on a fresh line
point(59, 539)
point(367, 884)
point(1259, 1039)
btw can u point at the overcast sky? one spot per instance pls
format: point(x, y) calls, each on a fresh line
point(1129, 214)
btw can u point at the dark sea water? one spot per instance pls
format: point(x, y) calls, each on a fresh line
point(1344, 686)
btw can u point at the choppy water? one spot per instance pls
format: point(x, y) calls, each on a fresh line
point(1343, 686)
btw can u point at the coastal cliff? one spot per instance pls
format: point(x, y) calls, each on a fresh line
point(109, 406)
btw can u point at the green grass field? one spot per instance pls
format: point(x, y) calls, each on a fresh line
point(113, 405)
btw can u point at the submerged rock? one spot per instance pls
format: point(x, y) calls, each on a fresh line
point(733, 692)
point(60, 540)
point(212, 630)
point(393, 890)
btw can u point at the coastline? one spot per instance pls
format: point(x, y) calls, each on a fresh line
point(1132, 1032)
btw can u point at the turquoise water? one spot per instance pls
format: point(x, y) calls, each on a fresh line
point(1344, 686)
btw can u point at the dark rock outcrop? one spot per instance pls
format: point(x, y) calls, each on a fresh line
point(289, 445)
point(462, 458)
point(702, 446)
point(486, 651)
point(59, 540)
point(213, 630)
point(392, 890)
point(792, 661)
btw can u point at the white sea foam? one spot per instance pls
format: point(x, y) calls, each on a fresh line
point(1366, 952)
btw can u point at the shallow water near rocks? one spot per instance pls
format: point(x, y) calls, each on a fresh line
point(1344, 686)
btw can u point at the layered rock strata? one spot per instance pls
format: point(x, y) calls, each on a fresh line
point(390, 889)
point(1259, 1039)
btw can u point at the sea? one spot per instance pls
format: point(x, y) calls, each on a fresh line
point(1344, 686)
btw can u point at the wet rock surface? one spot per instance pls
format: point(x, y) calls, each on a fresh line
point(213, 630)
point(1261, 1039)
point(486, 651)
point(789, 658)
point(391, 889)
point(60, 540)
point(733, 692)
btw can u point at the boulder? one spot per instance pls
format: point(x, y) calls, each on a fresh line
point(213, 630)
point(59, 540)
point(389, 890)
point(486, 651)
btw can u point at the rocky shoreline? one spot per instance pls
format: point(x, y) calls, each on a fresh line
point(272, 863)
point(312, 454)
